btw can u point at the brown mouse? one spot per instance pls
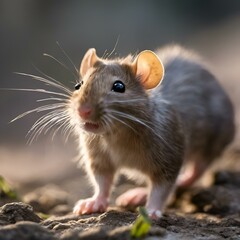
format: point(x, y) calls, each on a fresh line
point(128, 122)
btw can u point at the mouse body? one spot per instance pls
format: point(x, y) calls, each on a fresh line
point(147, 117)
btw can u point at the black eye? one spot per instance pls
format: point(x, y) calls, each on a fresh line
point(118, 86)
point(78, 85)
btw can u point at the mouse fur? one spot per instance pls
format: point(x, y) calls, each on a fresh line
point(151, 129)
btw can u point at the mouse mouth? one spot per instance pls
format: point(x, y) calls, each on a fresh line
point(91, 127)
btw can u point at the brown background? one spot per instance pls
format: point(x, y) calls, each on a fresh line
point(30, 28)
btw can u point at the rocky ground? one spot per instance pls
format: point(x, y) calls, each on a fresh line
point(199, 213)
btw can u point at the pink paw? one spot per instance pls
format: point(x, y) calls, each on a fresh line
point(192, 173)
point(187, 178)
point(133, 197)
point(91, 205)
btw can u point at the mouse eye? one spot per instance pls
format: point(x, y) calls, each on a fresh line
point(118, 86)
point(78, 85)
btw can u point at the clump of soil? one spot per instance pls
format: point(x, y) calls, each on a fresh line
point(197, 213)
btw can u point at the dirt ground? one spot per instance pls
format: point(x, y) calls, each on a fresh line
point(44, 212)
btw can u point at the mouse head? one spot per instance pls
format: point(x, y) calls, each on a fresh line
point(114, 92)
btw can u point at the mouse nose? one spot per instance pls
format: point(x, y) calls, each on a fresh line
point(84, 112)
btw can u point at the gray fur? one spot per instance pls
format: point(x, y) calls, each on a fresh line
point(205, 110)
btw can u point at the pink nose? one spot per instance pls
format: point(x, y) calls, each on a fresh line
point(84, 112)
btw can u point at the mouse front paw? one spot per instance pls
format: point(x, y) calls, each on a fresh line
point(97, 204)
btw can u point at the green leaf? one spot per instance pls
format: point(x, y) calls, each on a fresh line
point(43, 216)
point(6, 189)
point(142, 224)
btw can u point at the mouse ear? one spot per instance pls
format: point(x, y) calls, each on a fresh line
point(89, 59)
point(149, 68)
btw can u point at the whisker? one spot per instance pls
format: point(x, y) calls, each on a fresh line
point(107, 123)
point(70, 131)
point(56, 122)
point(49, 125)
point(49, 120)
point(39, 127)
point(104, 54)
point(63, 87)
point(107, 119)
point(57, 115)
point(39, 109)
point(66, 127)
point(127, 101)
point(119, 120)
point(114, 48)
point(52, 99)
point(46, 117)
point(130, 117)
point(69, 59)
point(60, 126)
point(60, 63)
point(53, 83)
point(36, 90)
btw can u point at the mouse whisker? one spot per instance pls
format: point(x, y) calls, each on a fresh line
point(69, 59)
point(121, 121)
point(67, 128)
point(104, 54)
point(51, 81)
point(65, 121)
point(107, 122)
point(70, 129)
point(127, 101)
point(46, 128)
point(58, 115)
point(47, 122)
point(53, 99)
point(36, 90)
point(140, 121)
point(114, 48)
point(56, 112)
point(39, 109)
point(48, 117)
point(60, 63)
point(51, 106)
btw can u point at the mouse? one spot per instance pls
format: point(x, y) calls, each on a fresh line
point(147, 116)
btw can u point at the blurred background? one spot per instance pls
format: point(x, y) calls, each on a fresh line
point(30, 28)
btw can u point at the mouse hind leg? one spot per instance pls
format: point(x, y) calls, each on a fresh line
point(133, 197)
point(208, 143)
point(154, 197)
point(194, 168)
point(158, 197)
